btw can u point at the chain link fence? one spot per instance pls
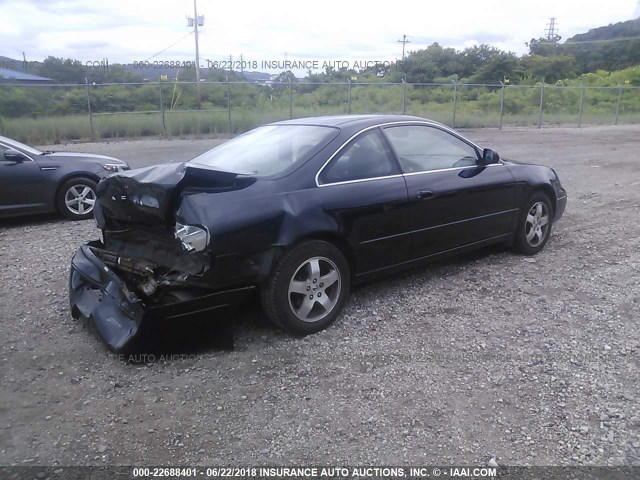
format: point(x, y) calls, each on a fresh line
point(42, 114)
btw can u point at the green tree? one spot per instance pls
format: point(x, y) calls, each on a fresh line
point(500, 66)
point(63, 70)
point(544, 46)
point(550, 69)
point(476, 57)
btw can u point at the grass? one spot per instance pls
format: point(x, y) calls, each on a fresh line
point(67, 128)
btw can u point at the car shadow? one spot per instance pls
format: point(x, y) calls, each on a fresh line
point(441, 268)
point(32, 220)
point(169, 340)
point(196, 334)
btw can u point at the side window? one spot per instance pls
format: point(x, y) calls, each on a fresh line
point(2, 150)
point(365, 157)
point(422, 148)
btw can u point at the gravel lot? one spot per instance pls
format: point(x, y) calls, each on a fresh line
point(533, 360)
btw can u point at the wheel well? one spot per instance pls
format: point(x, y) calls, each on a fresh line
point(336, 240)
point(550, 192)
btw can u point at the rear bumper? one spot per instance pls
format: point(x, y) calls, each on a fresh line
point(98, 295)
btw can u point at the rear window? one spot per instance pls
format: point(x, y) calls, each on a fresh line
point(268, 150)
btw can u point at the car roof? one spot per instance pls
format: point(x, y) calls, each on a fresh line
point(353, 120)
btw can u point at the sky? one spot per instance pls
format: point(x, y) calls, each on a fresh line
point(265, 32)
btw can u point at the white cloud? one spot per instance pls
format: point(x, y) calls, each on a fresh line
point(125, 31)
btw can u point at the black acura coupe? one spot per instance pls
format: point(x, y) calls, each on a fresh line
point(300, 210)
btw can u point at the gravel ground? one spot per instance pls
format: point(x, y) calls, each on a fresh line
point(533, 360)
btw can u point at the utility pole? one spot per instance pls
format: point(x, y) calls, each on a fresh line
point(195, 22)
point(552, 30)
point(404, 41)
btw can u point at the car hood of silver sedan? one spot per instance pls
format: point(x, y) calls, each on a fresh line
point(83, 156)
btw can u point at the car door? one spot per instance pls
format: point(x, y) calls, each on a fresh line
point(20, 183)
point(363, 189)
point(455, 200)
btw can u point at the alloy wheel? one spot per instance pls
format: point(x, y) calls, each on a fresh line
point(314, 289)
point(536, 224)
point(80, 199)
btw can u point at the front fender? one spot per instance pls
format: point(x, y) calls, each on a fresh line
point(531, 178)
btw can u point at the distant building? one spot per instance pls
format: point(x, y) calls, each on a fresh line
point(13, 76)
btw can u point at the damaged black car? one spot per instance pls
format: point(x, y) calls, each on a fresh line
point(299, 210)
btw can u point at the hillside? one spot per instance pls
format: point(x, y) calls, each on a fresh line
point(628, 29)
point(613, 47)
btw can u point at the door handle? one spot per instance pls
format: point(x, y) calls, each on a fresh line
point(425, 194)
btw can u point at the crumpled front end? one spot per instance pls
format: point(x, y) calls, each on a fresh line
point(150, 265)
point(98, 295)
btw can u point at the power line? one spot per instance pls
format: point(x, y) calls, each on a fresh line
point(164, 50)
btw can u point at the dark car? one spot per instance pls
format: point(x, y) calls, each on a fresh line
point(32, 181)
point(300, 210)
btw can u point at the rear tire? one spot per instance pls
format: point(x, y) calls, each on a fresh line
point(534, 226)
point(76, 198)
point(307, 289)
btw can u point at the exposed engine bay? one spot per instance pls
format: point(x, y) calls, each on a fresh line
point(152, 260)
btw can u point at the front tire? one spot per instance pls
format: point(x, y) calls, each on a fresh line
point(76, 198)
point(308, 288)
point(534, 227)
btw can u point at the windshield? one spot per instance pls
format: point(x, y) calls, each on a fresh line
point(20, 146)
point(267, 150)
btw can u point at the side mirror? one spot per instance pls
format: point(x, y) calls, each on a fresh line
point(490, 156)
point(14, 155)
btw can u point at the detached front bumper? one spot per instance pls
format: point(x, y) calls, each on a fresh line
point(98, 295)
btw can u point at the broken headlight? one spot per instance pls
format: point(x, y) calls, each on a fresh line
point(192, 238)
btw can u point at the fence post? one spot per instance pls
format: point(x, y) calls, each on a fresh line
point(164, 123)
point(455, 102)
point(581, 105)
point(404, 93)
point(86, 82)
point(349, 104)
point(501, 103)
point(290, 99)
point(618, 104)
point(541, 104)
point(228, 104)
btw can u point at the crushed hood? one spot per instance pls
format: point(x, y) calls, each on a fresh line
point(151, 195)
